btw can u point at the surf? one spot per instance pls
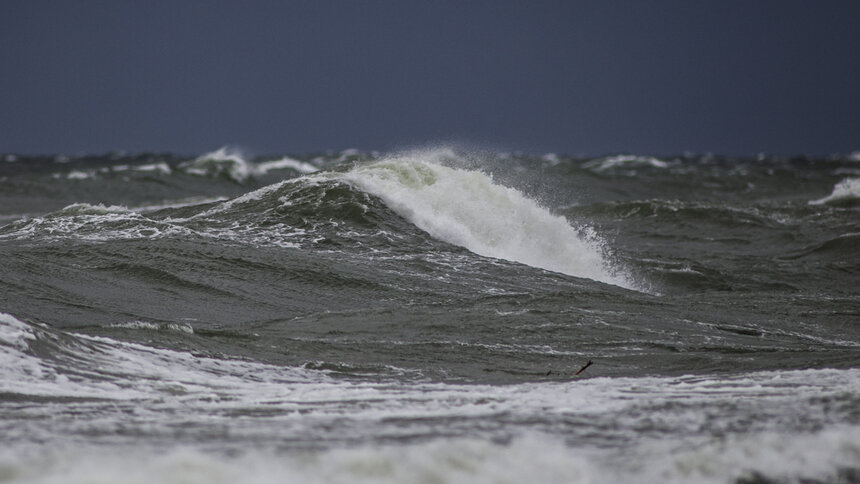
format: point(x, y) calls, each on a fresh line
point(468, 208)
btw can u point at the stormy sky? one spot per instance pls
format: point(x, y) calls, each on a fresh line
point(575, 77)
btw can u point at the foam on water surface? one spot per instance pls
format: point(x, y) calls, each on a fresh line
point(468, 208)
point(13, 332)
point(296, 423)
point(845, 192)
point(224, 161)
point(161, 168)
point(92, 223)
point(196, 350)
point(286, 162)
point(234, 165)
point(625, 161)
point(829, 455)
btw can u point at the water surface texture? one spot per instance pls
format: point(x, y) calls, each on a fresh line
point(421, 316)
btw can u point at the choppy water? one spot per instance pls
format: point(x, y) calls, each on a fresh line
point(419, 317)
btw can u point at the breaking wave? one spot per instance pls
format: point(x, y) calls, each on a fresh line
point(845, 193)
point(468, 208)
point(231, 164)
point(463, 207)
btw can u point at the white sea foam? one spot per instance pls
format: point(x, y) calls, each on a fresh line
point(134, 371)
point(100, 223)
point(286, 162)
point(781, 457)
point(140, 373)
point(468, 208)
point(224, 161)
point(532, 457)
point(603, 164)
point(845, 191)
point(551, 158)
point(13, 332)
point(529, 456)
point(186, 202)
point(97, 209)
point(18, 369)
point(646, 429)
point(162, 168)
point(233, 164)
point(529, 459)
point(94, 223)
point(251, 196)
point(183, 327)
point(79, 175)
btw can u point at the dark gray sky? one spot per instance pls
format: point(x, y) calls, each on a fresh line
point(294, 76)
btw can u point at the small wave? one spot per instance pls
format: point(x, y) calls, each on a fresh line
point(162, 168)
point(467, 208)
point(103, 223)
point(845, 193)
point(286, 162)
point(252, 196)
point(551, 158)
point(148, 325)
point(231, 164)
point(683, 212)
point(187, 202)
point(14, 332)
point(81, 366)
point(98, 209)
point(624, 161)
point(222, 162)
point(94, 223)
point(79, 175)
point(841, 247)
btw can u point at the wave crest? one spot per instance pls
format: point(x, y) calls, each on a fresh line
point(468, 208)
point(231, 164)
point(845, 193)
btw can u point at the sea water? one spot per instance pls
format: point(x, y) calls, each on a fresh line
point(421, 317)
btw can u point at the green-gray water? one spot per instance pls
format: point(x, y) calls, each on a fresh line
point(420, 316)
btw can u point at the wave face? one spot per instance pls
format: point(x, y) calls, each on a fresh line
point(350, 316)
point(467, 208)
point(845, 193)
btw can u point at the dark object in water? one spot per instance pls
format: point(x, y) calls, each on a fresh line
point(578, 371)
point(583, 368)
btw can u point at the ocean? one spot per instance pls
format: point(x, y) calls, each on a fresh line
point(429, 316)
